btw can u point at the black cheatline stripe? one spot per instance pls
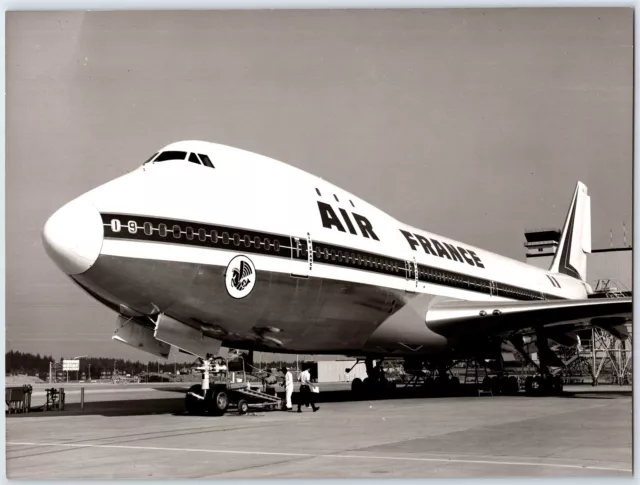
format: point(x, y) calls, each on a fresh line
point(225, 237)
point(356, 259)
point(146, 228)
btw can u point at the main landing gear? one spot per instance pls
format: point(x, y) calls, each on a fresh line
point(544, 385)
point(435, 382)
point(375, 384)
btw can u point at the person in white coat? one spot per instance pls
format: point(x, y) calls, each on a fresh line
point(288, 387)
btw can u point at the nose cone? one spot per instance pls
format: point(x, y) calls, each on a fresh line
point(72, 237)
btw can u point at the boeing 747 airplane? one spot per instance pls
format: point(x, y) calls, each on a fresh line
point(205, 246)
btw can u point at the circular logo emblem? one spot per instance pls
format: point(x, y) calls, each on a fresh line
point(240, 277)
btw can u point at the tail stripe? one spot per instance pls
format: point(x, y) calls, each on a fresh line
point(565, 266)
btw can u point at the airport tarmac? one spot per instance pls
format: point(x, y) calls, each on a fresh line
point(142, 432)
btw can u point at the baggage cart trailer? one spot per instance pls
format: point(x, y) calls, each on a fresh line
point(222, 389)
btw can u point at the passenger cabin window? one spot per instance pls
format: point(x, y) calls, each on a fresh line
point(170, 155)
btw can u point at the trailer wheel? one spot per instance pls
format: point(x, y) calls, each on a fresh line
point(219, 403)
point(243, 406)
point(193, 404)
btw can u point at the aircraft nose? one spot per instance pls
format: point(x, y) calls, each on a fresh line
point(72, 237)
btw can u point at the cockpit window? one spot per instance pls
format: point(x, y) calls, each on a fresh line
point(150, 158)
point(193, 158)
point(205, 160)
point(170, 155)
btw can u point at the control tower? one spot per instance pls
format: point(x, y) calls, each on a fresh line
point(541, 245)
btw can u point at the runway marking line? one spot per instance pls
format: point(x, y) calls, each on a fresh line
point(314, 455)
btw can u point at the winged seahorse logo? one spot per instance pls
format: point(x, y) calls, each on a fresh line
point(241, 276)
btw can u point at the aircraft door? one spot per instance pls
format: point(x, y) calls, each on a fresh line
point(301, 256)
point(411, 275)
point(493, 288)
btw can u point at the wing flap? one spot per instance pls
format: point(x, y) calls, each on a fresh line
point(467, 319)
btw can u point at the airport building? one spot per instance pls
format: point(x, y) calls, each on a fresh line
point(336, 370)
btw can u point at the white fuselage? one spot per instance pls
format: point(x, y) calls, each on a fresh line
point(362, 261)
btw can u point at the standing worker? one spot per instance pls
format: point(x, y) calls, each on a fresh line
point(306, 391)
point(288, 387)
point(270, 382)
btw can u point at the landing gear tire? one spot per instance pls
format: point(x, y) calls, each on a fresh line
point(357, 386)
point(243, 406)
point(537, 385)
point(486, 384)
point(219, 403)
point(557, 385)
point(495, 386)
point(194, 405)
point(528, 385)
point(512, 385)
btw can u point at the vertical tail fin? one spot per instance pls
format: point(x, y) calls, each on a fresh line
point(575, 242)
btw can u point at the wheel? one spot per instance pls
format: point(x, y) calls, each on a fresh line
point(193, 404)
point(486, 383)
point(428, 386)
point(528, 385)
point(495, 385)
point(356, 385)
point(513, 385)
point(218, 403)
point(557, 384)
point(537, 385)
point(243, 406)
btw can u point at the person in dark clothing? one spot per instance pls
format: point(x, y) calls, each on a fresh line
point(306, 395)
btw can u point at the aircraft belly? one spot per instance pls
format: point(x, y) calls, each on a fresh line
point(281, 313)
point(405, 332)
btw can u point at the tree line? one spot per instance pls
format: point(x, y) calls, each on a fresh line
point(38, 365)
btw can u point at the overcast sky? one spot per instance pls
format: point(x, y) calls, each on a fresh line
point(468, 123)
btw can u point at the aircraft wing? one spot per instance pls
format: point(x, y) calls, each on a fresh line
point(468, 319)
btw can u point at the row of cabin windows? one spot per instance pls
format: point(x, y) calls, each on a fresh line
point(356, 259)
point(469, 282)
point(514, 292)
point(178, 232)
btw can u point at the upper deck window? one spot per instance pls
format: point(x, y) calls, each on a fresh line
point(170, 155)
